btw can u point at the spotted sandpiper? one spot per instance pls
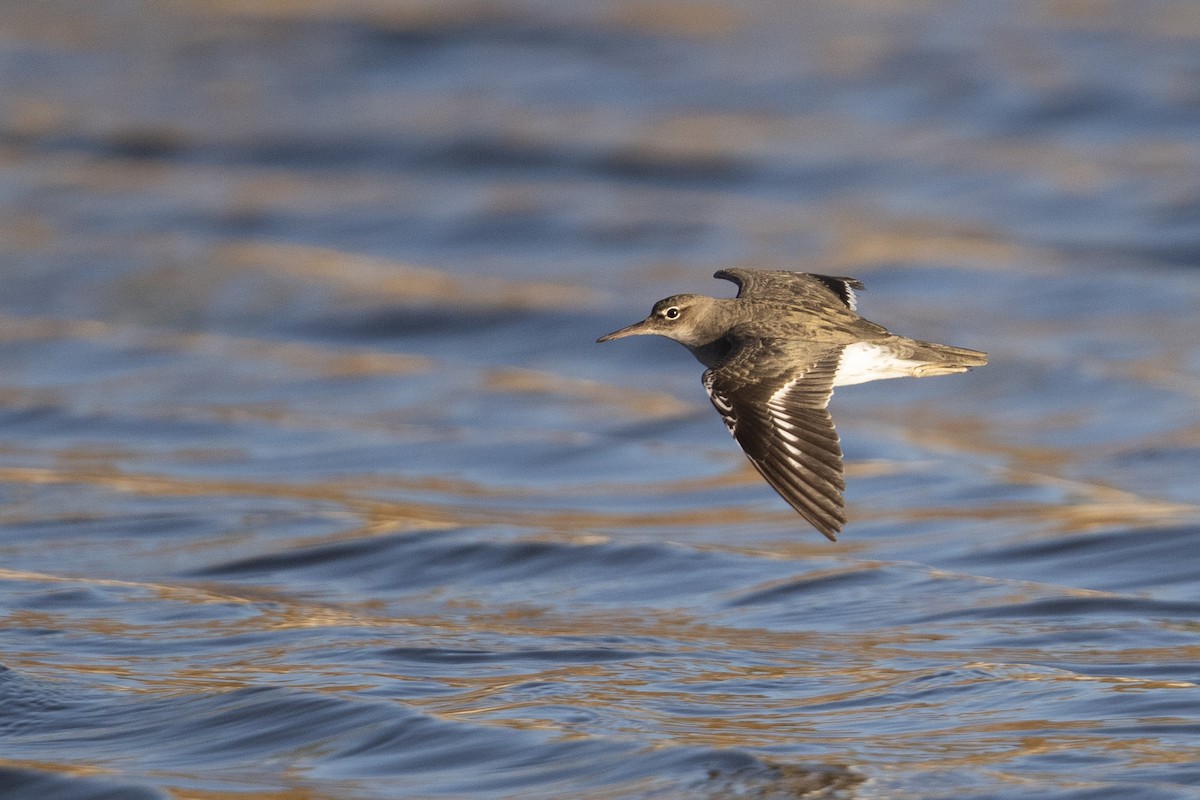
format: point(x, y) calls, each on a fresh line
point(774, 354)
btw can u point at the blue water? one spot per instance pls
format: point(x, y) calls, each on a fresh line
point(314, 484)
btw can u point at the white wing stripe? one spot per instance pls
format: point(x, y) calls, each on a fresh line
point(722, 404)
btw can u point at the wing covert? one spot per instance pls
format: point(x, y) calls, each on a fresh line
point(772, 398)
point(784, 285)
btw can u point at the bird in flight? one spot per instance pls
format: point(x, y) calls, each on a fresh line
point(774, 354)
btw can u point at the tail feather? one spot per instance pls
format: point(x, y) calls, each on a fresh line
point(942, 359)
point(898, 357)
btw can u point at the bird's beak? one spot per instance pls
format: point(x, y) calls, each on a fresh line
point(636, 329)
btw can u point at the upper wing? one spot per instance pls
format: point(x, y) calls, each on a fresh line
point(786, 285)
point(773, 397)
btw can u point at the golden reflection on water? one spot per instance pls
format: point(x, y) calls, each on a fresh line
point(670, 690)
point(329, 362)
point(784, 679)
point(637, 402)
point(376, 280)
point(863, 241)
point(381, 516)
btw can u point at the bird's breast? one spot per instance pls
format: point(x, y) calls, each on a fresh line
point(712, 353)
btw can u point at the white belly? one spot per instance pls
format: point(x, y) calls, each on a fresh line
point(866, 361)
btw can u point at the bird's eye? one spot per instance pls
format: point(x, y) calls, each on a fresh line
point(671, 313)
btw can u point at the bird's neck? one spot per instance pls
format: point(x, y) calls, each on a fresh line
point(712, 353)
point(710, 342)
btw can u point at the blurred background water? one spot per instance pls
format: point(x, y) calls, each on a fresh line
point(313, 483)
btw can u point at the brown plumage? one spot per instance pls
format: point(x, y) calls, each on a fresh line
point(774, 354)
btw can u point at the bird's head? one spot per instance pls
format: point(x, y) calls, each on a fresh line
point(689, 319)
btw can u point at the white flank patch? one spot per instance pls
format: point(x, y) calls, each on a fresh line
point(864, 361)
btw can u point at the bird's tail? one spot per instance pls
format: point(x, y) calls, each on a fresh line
point(942, 359)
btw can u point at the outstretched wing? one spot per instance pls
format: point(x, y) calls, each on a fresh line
point(781, 285)
point(772, 396)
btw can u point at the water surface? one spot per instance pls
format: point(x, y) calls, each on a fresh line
point(313, 483)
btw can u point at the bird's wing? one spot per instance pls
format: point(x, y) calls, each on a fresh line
point(780, 285)
point(772, 396)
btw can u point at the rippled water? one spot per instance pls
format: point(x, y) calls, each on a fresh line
point(313, 483)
